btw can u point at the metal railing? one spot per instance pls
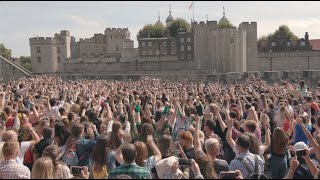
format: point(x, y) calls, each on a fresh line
point(22, 69)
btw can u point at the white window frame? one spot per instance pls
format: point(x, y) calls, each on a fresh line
point(143, 44)
point(189, 48)
point(150, 52)
point(165, 52)
point(143, 53)
point(165, 44)
point(182, 48)
point(189, 56)
point(182, 56)
point(182, 40)
point(150, 44)
point(302, 43)
point(173, 52)
point(188, 39)
point(172, 43)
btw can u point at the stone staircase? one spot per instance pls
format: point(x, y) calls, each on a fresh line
point(11, 71)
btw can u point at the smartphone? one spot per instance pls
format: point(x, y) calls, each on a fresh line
point(301, 153)
point(76, 170)
point(227, 175)
point(199, 110)
point(185, 162)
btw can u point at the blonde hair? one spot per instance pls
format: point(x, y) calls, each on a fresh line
point(42, 169)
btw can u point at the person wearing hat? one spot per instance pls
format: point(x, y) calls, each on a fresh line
point(301, 166)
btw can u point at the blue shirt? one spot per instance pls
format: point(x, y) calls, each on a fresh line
point(83, 149)
point(299, 134)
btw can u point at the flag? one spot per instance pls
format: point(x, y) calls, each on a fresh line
point(191, 5)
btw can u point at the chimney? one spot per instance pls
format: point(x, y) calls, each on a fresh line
point(306, 36)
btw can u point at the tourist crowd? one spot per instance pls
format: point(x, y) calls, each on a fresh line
point(153, 129)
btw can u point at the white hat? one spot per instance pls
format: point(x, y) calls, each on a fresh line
point(300, 146)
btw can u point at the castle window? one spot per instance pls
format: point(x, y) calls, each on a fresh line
point(182, 48)
point(288, 44)
point(39, 59)
point(143, 44)
point(117, 48)
point(58, 50)
point(182, 56)
point(38, 50)
point(273, 44)
point(189, 56)
point(189, 48)
point(164, 44)
point(150, 44)
point(182, 40)
point(172, 43)
point(150, 52)
point(173, 52)
point(59, 59)
point(188, 39)
point(303, 43)
point(165, 52)
point(143, 53)
point(157, 52)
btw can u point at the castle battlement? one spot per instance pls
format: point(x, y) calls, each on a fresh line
point(288, 54)
point(116, 30)
point(42, 40)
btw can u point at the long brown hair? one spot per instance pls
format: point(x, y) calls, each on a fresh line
point(115, 142)
point(143, 152)
point(279, 140)
point(166, 146)
point(254, 144)
point(206, 166)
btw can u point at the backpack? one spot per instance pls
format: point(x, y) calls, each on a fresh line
point(303, 172)
point(70, 156)
point(256, 174)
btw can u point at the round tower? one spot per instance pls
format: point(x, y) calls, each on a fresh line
point(169, 18)
point(43, 55)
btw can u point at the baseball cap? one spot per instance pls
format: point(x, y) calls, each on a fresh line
point(300, 146)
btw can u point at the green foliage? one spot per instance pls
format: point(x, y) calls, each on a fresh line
point(281, 35)
point(156, 31)
point(176, 24)
point(6, 53)
point(224, 23)
point(26, 62)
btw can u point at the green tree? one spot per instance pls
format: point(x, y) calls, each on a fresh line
point(6, 53)
point(155, 31)
point(280, 36)
point(224, 23)
point(26, 62)
point(176, 24)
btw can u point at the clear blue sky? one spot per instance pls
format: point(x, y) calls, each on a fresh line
point(22, 20)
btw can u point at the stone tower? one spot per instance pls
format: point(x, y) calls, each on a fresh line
point(63, 41)
point(43, 55)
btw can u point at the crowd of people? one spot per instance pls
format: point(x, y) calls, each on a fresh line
point(153, 129)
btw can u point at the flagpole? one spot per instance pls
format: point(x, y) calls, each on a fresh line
point(193, 10)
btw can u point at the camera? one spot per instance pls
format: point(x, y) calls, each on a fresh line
point(301, 153)
point(185, 162)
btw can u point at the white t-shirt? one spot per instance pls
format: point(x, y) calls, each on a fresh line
point(23, 149)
